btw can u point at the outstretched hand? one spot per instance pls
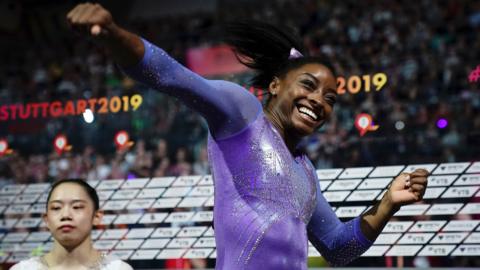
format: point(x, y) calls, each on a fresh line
point(91, 19)
point(408, 188)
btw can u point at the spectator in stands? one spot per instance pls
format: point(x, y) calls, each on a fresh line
point(201, 166)
point(161, 161)
point(160, 153)
point(100, 170)
point(267, 194)
point(71, 212)
point(38, 169)
point(143, 164)
point(181, 165)
point(162, 168)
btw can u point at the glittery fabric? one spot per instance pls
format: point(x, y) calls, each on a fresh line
point(264, 202)
point(265, 197)
point(226, 106)
point(338, 242)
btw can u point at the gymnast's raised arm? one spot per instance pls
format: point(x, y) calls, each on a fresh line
point(226, 106)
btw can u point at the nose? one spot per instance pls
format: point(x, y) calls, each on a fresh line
point(65, 214)
point(316, 99)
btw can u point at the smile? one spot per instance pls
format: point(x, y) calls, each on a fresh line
point(306, 111)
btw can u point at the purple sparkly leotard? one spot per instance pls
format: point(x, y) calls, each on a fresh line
point(268, 202)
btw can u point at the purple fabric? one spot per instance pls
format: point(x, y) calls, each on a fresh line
point(337, 241)
point(268, 202)
point(264, 203)
point(226, 106)
point(264, 197)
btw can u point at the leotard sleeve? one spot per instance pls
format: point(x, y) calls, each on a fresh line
point(338, 242)
point(227, 107)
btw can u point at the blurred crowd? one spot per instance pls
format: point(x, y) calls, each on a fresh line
point(128, 163)
point(426, 49)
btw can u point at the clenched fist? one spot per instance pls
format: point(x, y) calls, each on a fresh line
point(408, 187)
point(91, 19)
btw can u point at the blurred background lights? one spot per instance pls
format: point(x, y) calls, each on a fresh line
point(88, 116)
point(442, 123)
point(399, 125)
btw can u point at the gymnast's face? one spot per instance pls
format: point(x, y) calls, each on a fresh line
point(71, 215)
point(303, 99)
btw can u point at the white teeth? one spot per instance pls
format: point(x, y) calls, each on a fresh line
point(308, 112)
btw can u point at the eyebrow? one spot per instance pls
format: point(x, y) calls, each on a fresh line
point(60, 201)
point(317, 81)
point(311, 76)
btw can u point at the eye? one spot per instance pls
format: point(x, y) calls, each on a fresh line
point(54, 208)
point(331, 99)
point(78, 207)
point(309, 85)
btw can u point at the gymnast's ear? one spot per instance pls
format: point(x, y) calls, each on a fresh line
point(97, 217)
point(274, 86)
point(45, 219)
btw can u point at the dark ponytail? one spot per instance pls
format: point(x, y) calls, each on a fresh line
point(265, 48)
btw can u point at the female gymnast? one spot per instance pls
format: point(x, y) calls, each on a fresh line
point(268, 201)
point(72, 210)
